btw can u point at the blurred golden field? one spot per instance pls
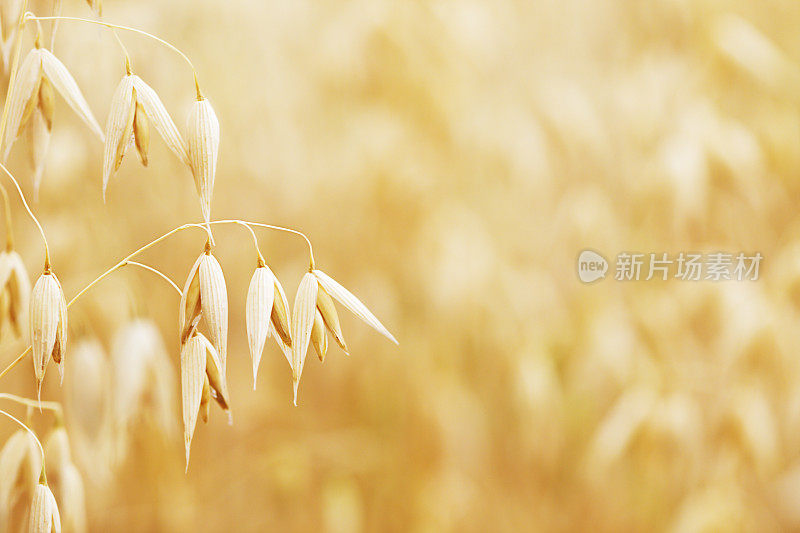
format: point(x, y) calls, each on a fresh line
point(449, 160)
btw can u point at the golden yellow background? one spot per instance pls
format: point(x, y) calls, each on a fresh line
point(449, 160)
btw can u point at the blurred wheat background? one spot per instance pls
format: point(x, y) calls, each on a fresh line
point(449, 159)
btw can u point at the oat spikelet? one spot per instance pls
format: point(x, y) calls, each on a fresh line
point(305, 305)
point(258, 309)
point(206, 296)
point(48, 324)
point(65, 84)
point(214, 304)
point(134, 107)
point(10, 10)
point(24, 90)
point(143, 379)
point(193, 376)
point(203, 144)
point(96, 6)
point(118, 128)
point(347, 299)
point(44, 517)
point(15, 291)
point(20, 465)
point(155, 111)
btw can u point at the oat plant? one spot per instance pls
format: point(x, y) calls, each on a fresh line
point(37, 79)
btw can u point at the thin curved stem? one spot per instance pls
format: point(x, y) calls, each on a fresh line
point(140, 32)
point(128, 69)
point(7, 211)
point(51, 406)
point(15, 362)
point(287, 230)
point(29, 430)
point(36, 220)
point(56, 12)
point(240, 223)
point(157, 272)
point(122, 263)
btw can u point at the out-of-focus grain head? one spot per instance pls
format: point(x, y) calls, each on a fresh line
point(96, 6)
point(57, 450)
point(87, 405)
point(44, 516)
point(205, 296)
point(143, 382)
point(203, 143)
point(15, 292)
point(65, 480)
point(48, 324)
point(20, 465)
point(71, 498)
point(10, 12)
point(23, 98)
